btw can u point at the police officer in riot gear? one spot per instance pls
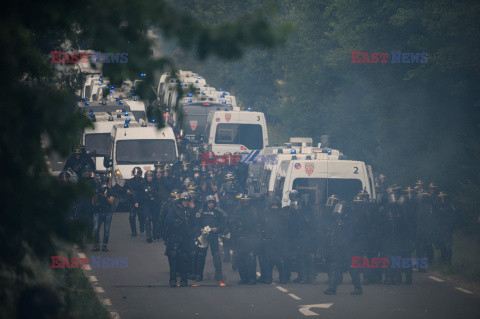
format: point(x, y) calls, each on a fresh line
point(77, 163)
point(86, 157)
point(227, 193)
point(448, 219)
point(246, 231)
point(149, 202)
point(104, 202)
point(341, 241)
point(425, 230)
point(272, 252)
point(209, 223)
point(304, 230)
point(135, 193)
point(179, 226)
point(392, 233)
point(406, 230)
point(168, 179)
point(85, 204)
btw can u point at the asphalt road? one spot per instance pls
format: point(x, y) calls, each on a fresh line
point(141, 290)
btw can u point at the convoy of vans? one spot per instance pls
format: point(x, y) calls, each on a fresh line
point(123, 139)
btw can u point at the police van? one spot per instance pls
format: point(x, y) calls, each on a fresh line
point(126, 107)
point(236, 131)
point(195, 110)
point(97, 139)
point(322, 176)
point(264, 165)
point(139, 144)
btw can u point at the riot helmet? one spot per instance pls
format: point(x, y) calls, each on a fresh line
point(293, 194)
point(296, 205)
point(149, 175)
point(392, 196)
point(442, 197)
point(357, 200)
point(419, 184)
point(409, 193)
point(382, 178)
point(332, 200)
point(433, 189)
point(184, 198)
point(137, 172)
point(175, 194)
point(210, 198)
point(64, 176)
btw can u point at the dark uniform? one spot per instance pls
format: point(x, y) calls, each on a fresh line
point(342, 244)
point(304, 226)
point(179, 225)
point(85, 203)
point(135, 192)
point(149, 202)
point(227, 203)
point(77, 163)
point(448, 219)
point(272, 251)
point(104, 207)
point(425, 230)
point(214, 219)
point(406, 231)
point(246, 231)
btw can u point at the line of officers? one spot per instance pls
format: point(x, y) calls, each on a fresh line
point(193, 208)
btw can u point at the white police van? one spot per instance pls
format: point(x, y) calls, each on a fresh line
point(140, 144)
point(97, 138)
point(236, 131)
point(323, 176)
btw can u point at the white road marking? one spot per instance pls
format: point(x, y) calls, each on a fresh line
point(81, 255)
point(93, 278)
point(436, 279)
point(295, 297)
point(305, 309)
point(99, 289)
point(281, 289)
point(106, 302)
point(464, 290)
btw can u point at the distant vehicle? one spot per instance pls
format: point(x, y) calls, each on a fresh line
point(97, 139)
point(139, 144)
point(236, 131)
point(125, 107)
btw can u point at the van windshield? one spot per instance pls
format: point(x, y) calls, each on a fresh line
point(249, 135)
point(96, 144)
point(145, 151)
point(195, 117)
point(321, 188)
